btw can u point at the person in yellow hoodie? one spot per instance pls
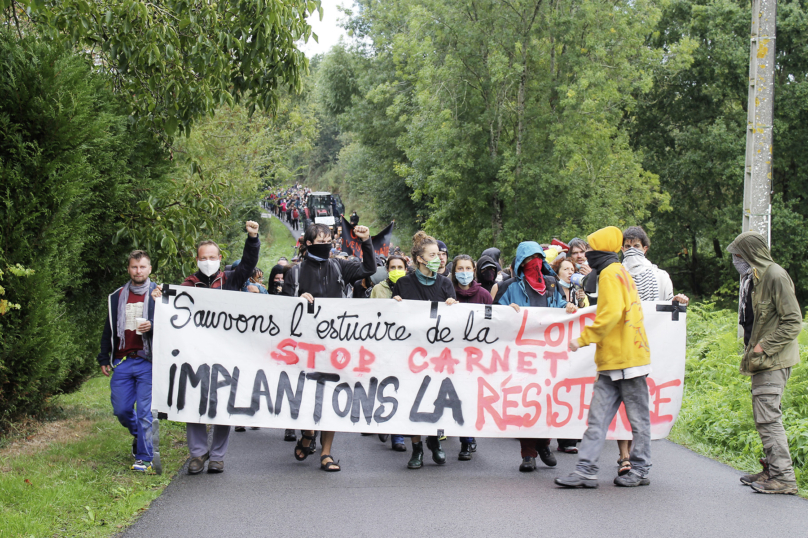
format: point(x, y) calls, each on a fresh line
point(623, 360)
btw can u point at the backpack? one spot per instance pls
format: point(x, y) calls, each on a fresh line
point(295, 214)
point(347, 291)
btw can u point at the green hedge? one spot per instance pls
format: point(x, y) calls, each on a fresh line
point(71, 163)
point(716, 416)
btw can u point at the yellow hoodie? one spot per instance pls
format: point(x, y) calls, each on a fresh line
point(618, 330)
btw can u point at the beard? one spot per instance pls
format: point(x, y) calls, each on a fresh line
point(139, 279)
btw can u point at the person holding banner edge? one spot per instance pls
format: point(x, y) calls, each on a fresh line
point(319, 276)
point(127, 337)
point(425, 284)
point(623, 361)
point(209, 275)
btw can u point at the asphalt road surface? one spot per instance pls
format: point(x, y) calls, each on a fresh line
point(265, 492)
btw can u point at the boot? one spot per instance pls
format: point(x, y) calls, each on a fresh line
point(749, 479)
point(465, 452)
point(417, 459)
point(773, 485)
point(438, 455)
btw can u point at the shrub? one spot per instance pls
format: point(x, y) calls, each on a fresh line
point(70, 164)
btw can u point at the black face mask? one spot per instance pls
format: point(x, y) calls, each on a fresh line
point(488, 275)
point(321, 251)
point(276, 288)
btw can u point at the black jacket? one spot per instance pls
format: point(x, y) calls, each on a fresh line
point(322, 279)
point(408, 287)
point(230, 280)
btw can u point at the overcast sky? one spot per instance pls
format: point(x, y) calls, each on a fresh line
point(327, 30)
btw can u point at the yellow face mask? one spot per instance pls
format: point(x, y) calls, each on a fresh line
point(396, 274)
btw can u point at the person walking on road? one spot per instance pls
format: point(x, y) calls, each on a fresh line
point(127, 337)
point(772, 320)
point(209, 275)
point(535, 285)
point(424, 284)
point(467, 290)
point(623, 361)
point(318, 276)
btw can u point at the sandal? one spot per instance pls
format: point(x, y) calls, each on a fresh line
point(623, 467)
point(302, 452)
point(330, 466)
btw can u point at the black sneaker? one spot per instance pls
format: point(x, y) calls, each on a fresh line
point(547, 457)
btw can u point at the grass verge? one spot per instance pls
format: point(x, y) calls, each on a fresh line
point(716, 417)
point(79, 483)
point(278, 242)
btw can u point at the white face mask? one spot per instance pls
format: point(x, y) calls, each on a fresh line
point(209, 267)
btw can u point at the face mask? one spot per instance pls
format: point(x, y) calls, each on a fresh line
point(434, 265)
point(489, 275)
point(321, 251)
point(464, 277)
point(209, 267)
point(741, 265)
point(633, 251)
point(395, 274)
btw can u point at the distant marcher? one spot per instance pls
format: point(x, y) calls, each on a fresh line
point(772, 320)
point(295, 218)
point(354, 218)
point(126, 353)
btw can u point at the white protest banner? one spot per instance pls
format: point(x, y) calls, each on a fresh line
point(380, 366)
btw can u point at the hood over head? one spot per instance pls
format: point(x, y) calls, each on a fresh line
point(751, 246)
point(486, 262)
point(494, 253)
point(529, 248)
point(608, 239)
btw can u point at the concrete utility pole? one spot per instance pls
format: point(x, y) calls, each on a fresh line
point(757, 185)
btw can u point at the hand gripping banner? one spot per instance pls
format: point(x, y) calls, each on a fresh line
point(380, 366)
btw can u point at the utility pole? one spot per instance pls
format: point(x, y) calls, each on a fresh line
point(757, 185)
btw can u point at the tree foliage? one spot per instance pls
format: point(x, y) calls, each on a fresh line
point(493, 122)
point(69, 162)
point(175, 61)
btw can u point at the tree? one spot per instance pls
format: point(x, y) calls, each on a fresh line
point(505, 121)
point(174, 61)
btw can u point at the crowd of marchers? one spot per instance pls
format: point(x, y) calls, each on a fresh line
point(557, 274)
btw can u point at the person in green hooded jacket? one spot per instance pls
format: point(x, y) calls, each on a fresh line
point(771, 318)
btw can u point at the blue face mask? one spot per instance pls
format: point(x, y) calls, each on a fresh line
point(465, 277)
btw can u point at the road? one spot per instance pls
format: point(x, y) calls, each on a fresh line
point(265, 492)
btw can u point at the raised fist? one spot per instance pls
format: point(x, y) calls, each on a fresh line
point(252, 228)
point(361, 232)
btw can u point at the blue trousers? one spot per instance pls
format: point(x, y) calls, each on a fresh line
point(131, 393)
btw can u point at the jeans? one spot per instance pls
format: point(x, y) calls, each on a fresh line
point(197, 436)
point(767, 388)
point(396, 439)
point(131, 386)
point(606, 400)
